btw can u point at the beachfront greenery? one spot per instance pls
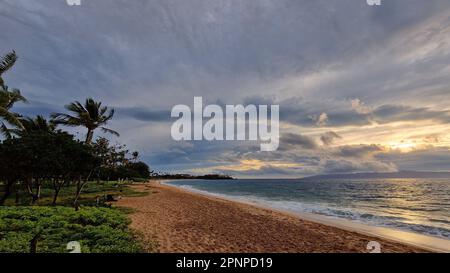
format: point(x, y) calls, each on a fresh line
point(55, 188)
point(50, 229)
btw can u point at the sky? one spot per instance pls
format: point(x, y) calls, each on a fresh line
point(361, 88)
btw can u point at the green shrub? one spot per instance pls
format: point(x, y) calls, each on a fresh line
point(97, 229)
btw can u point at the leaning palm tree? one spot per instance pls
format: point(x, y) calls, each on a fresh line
point(91, 115)
point(7, 100)
point(6, 63)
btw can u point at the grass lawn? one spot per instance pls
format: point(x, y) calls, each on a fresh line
point(91, 191)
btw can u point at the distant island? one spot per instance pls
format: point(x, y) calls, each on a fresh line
point(381, 175)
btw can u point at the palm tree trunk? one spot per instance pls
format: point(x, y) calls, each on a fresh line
point(7, 192)
point(37, 195)
point(34, 242)
point(89, 136)
point(2, 83)
point(17, 201)
point(57, 188)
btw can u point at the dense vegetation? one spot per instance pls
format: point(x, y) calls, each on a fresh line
point(54, 187)
point(49, 229)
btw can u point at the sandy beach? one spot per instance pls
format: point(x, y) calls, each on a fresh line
point(182, 221)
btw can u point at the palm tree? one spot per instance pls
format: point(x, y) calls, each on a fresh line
point(30, 125)
point(7, 100)
point(91, 115)
point(6, 63)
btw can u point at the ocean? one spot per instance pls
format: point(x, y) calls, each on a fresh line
point(414, 205)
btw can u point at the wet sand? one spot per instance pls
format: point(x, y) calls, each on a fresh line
point(183, 221)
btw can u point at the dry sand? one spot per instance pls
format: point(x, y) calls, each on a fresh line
point(182, 221)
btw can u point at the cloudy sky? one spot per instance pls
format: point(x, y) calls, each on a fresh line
point(360, 88)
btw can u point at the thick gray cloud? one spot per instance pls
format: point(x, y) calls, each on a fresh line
point(432, 159)
point(315, 59)
point(390, 113)
point(347, 166)
point(358, 151)
point(289, 140)
point(303, 112)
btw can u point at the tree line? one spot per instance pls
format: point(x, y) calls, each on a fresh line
point(36, 152)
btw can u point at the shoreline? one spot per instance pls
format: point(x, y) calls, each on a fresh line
point(184, 221)
point(426, 242)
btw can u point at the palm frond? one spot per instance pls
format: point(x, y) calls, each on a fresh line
point(75, 107)
point(106, 130)
point(109, 116)
point(103, 110)
point(8, 61)
point(15, 96)
point(5, 131)
point(10, 117)
point(65, 119)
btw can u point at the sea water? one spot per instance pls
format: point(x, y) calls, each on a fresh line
point(416, 205)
